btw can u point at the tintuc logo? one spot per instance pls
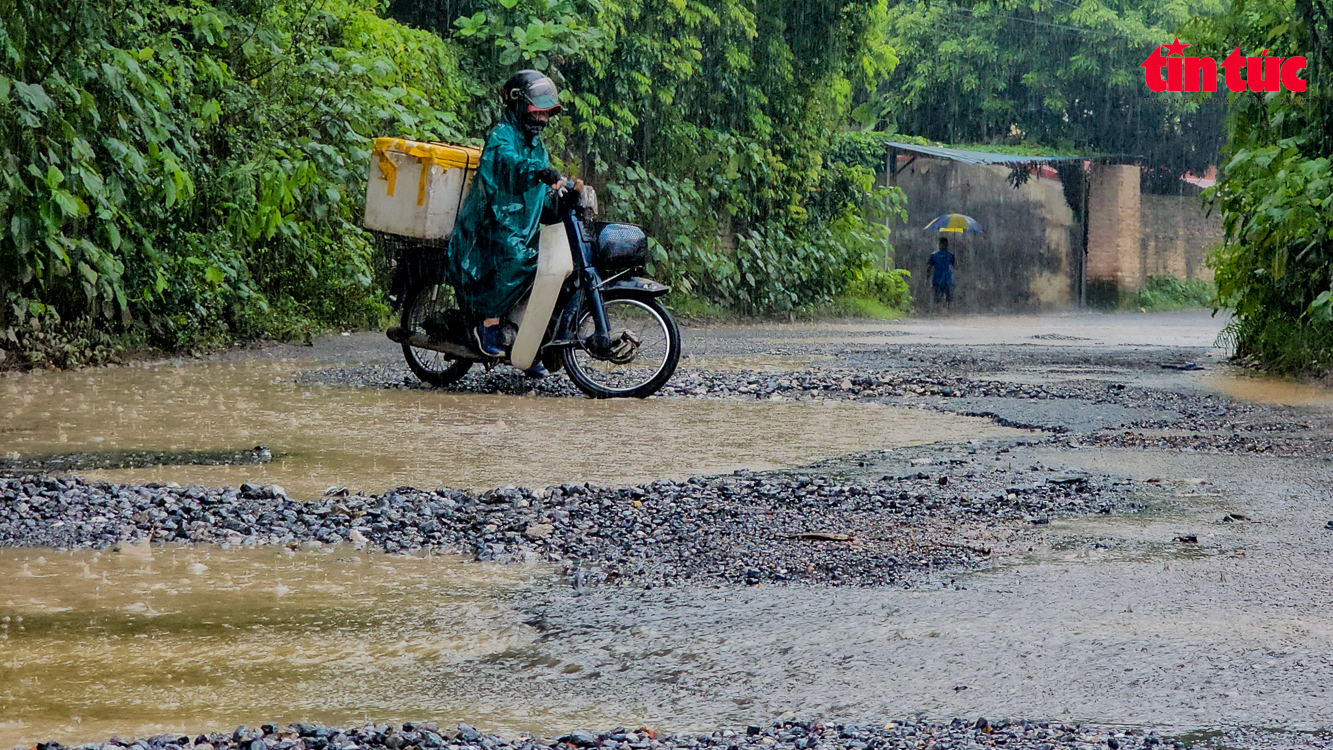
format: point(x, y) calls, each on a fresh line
point(1264, 73)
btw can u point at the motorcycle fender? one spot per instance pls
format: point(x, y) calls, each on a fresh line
point(646, 287)
point(554, 264)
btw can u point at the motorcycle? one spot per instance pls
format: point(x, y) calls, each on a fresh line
point(586, 313)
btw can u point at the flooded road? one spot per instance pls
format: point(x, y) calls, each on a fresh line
point(376, 439)
point(1102, 619)
point(1209, 610)
point(151, 640)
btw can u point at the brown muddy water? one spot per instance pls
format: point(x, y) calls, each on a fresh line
point(184, 639)
point(1266, 389)
point(375, 439)
point(1104, 619)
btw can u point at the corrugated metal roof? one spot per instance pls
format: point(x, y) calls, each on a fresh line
point(982, 157)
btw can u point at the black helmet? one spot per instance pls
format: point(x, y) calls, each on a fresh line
point(529, 91)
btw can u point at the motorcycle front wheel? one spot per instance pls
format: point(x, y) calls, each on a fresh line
point(431, 367)
point(652, 362)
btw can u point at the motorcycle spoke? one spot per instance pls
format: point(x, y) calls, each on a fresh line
point(650, 355)
point(433, 367)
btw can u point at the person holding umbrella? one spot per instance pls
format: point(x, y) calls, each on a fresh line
point(941, 264)
point(942, 261)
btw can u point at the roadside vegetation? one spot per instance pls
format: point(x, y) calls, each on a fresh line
point(183, 175)
point(186, 174)
point(1161, 293)
point(1276, 190)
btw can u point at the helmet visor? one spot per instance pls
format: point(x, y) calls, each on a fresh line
point(542, 95)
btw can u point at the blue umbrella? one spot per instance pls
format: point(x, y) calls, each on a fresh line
point(957, 223)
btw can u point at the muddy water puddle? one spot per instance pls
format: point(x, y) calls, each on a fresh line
point(187, 639)
point(179, 639)
point(377, 439)
point(1271, 390)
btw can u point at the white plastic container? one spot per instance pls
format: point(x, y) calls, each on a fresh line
point(555, 262)
point(416, 189)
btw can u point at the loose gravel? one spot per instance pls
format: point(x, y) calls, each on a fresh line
point(802, 528)
point(907, 734)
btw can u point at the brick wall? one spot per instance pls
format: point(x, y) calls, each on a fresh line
point(1114, 221)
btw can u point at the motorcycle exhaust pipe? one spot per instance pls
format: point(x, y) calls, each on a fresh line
point(419, 340)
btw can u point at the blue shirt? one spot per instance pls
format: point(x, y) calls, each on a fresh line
point(942, 263)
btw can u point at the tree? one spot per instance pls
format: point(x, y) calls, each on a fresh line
point(708, 121)
point(1276, 191)
point(1046, 72)
point(191, 172)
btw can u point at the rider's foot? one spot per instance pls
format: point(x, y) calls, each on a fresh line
point(490, 340)
point(537, 371)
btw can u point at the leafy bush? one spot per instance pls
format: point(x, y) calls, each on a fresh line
point(57, 343)
point(1170, 293)
point(192, 172)
point(1281, 344)
point(182, 173)
point(709, 121)
point(887, 288)
point(1276, 191)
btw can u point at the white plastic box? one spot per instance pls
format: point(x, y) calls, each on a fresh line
point(416, 189)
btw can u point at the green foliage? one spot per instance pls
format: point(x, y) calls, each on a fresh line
point(54, 342)
point(876, 293)
point(886, 287)
point(765, 268)
point(192, 171)
point(852, 306)
point(1161, 293)
point(1276, 190)
point(1063, 75)
point(1282, 344)
point(708, 121)
point(188, 172)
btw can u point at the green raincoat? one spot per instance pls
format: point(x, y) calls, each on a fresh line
point(492, 257)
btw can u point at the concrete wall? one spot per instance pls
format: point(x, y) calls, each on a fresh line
point(1175, 235)
point(1028, 255)
point(1132, 235)
point(1025, 257)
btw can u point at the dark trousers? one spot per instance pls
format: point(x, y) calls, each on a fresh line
point(943, 293)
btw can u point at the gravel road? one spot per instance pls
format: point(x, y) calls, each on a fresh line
point(1154, 513)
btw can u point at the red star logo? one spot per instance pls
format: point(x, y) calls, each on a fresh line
point(1175, 48)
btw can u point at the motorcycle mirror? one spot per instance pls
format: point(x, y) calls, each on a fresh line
point(588, 197)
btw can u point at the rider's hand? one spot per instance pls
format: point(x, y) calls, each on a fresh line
point(566, 195)
point(549, 176)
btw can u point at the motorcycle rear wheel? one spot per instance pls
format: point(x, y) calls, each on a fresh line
point(655, 358)
point(431, 367)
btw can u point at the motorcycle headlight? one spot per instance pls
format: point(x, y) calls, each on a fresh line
point(589, 199)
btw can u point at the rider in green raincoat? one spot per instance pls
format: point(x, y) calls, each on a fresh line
point(492, 256)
